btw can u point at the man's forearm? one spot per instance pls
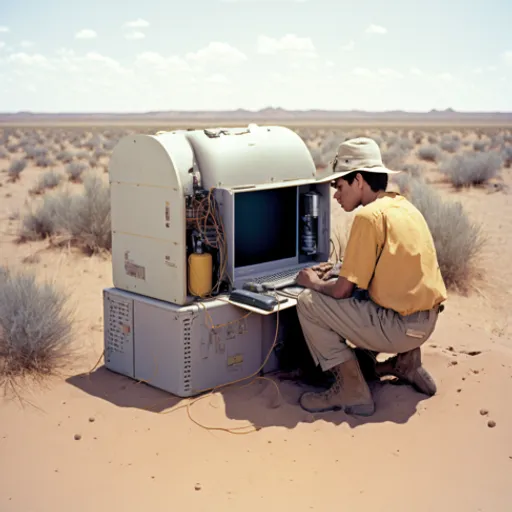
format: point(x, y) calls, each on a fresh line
point(331, 288)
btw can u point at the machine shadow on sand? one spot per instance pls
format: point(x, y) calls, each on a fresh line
point(256, 400)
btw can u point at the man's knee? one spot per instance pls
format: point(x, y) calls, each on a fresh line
point(305, 300)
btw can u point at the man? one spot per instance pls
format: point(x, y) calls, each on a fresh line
point(390, 254)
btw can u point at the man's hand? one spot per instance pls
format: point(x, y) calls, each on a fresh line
point(318, 278)
point(327, 270)
point(323, 269)
point(307, 277)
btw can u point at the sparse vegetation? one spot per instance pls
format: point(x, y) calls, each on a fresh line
point(450, 144)
point(35, 328)
point(82, 219)
point(429, 153)
point(75, 171)
point(471, 168)
point(48, 180)
point(16, 168)
point(457, 239)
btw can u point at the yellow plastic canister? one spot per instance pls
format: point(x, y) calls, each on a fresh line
point(200, 274)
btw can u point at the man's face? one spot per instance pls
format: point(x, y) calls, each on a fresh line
point(348, 196)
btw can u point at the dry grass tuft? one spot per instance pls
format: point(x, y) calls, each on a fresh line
point(15, 169)
point(48, 180)
point(82, 220)
point(458, 240)
point(429, 153)
point(35, 329)
point(471, 168)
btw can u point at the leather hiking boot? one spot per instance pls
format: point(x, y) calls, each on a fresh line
point(408, 367)
point(349, 393)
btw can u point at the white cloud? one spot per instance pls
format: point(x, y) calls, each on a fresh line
point(265, 1)
point(138, 23)
point(35, 59)
point(153, 61)
point(3, 28)
point(2, 44)
point(103, 61)
point(390, 73)
point(26, 44)
point(218, 78)
point(447, 77)
point(376, 29)
point(416, 72)
point(477, 71)
point(290, 43)
point(362, 72)
point(217, 53)
point(135, 35)
point(349, 46)
point(507, 57)
point(86, 33)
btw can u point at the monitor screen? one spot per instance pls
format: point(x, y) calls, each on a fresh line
point(265, 226)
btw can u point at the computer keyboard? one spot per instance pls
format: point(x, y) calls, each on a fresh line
point(279, 279)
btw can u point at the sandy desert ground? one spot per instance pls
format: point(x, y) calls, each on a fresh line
point(137, 451)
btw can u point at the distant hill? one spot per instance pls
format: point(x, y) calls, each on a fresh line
point(266, 115)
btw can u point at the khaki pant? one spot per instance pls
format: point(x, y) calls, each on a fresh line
point(328, 323)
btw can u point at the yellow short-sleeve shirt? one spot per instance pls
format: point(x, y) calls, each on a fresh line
point(390, 252)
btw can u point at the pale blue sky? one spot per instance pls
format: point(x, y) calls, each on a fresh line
point(121, 56)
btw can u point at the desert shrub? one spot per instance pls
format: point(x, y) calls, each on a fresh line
point(93, 143)
point(497, 141)
point(82, 155)
point(75, 171)
point(507, 156)
point(450, 144)
point(12, 148)
point(44, 161)
point(429, 153)
point(413, 169)
point(48, 180)
point(64, 156)
point(319, 157)
point(479, 145)
point(35, 327)
point(394, 157)
point(3, 153)
point(46, 219)
point(16, 168)
point(100, 152)
point(418, 137)
point(81, 219)
point(471, 168)
point(109, 145)
point(432, 139)
point(34, 152)
point(87, 223)
point(405, 144)
point(458, 240)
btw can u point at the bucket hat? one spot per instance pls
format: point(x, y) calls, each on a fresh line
point(359, 154)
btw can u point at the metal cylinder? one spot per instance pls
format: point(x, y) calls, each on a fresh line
point(311, 203)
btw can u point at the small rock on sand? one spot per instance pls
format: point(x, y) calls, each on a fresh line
point(491, 424)
point(78, 437)
point(91, 419)
point(483, 412)
point(197, 487)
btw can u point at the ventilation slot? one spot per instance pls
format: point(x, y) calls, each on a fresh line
point(119, 326)
point(187, 354)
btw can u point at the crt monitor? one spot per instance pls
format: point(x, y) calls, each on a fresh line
point(265, 229)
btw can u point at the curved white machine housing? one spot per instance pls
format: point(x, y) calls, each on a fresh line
point(150, 176)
